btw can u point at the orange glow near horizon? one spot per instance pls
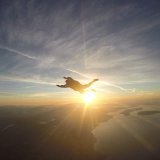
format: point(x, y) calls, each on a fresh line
point(76, 98)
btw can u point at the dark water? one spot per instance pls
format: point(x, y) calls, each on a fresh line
point(75, 133)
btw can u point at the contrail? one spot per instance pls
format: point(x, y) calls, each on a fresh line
point(103, 82)
point(81, 74)
point(18, 52)
point(36, 82)
point(27, 80)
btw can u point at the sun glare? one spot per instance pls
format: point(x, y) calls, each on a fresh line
point(89, 97)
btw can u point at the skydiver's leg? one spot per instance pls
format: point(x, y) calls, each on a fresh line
point(90, 83)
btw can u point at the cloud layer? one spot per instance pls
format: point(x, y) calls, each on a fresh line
point(115, 41)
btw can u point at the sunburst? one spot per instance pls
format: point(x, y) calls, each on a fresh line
point(88, 97)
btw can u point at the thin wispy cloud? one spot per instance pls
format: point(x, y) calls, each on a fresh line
point(27, 80)
point(102, 82)
point(18, 52)
point(118, 42)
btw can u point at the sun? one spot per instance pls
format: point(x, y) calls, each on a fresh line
point(88, 97)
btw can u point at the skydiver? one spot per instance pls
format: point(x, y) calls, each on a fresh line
point(75, 85)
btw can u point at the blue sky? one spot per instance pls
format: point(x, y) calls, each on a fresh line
point(43, 40)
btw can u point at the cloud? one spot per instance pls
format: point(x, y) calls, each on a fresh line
point(6, 94)
point(113, 41)
point(18, 52)
point(102, 82)
point(27, 80)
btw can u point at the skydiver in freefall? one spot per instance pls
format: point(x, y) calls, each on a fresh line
point(75, 85)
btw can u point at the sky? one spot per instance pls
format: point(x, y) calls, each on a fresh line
point(41, 41)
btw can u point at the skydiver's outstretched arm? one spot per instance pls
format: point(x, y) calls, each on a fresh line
point(62, 86)
point(90, 83)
